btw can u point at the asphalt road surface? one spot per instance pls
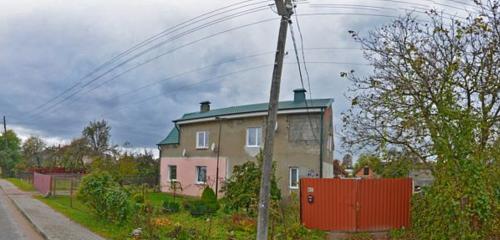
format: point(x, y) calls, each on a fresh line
point(13, 225)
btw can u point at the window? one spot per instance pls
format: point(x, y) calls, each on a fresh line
point(254, 136)
point(172, 172)
point(202, 140)
point(366, 171)
point(294, 177)
point(201, 174)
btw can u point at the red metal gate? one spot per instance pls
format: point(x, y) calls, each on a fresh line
point(355, 204)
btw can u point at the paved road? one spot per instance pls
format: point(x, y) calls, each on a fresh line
point(13, 225)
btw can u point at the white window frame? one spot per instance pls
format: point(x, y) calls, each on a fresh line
point(205, 140)
point(197, 169)
point(258, 137)
point(290, 177)
point(170, 173)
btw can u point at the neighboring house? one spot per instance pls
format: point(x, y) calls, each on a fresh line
point(366, 172)
point(303, 144)
point(421, 178)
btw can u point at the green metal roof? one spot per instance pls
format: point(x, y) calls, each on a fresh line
point(172, 138)
point(260, 107)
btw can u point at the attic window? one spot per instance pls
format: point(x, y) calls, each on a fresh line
point(366, 171)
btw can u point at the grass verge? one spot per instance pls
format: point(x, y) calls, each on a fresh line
point(21, 184)
point(83, 215)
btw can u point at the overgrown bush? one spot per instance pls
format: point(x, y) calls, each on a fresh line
point(105, 197)
point(197, 208)
point(458, 203)
point(241, 191)
point(171, 206)
point(145, 217)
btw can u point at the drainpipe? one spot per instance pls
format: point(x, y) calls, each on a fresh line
point(321, 144)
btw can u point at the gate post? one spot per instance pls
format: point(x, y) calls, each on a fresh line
point(300, 200)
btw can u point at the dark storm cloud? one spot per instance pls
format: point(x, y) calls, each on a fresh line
point(46, 47)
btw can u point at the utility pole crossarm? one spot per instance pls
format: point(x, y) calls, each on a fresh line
point(285, 10)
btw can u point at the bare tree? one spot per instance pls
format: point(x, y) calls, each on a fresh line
point(347, 161)
point(434, 87)
point(97, 134)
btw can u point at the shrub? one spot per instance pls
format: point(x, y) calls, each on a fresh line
point(241, 191)
point(146, 216)
point(117, 204)
point(208, 195)
point(171, 206)
point(138, 198)
point(105, 197)
point(210, 200)
point(198, 208)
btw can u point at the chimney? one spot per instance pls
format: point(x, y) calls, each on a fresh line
point(299, 95)
point(205, 106)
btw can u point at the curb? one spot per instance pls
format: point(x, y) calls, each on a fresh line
point(37, 229)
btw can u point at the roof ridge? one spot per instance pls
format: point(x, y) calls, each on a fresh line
point(254, 104)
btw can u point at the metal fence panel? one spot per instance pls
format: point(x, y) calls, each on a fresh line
point(384, 204)
point(354, 204)
point(42, 183)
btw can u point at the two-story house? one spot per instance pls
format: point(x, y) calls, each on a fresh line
point(225, 137)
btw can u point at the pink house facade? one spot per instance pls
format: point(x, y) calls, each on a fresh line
point(188, 174)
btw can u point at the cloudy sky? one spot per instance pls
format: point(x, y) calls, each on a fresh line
point(53, 81)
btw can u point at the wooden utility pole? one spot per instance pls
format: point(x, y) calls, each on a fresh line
point(285, 10)
point(218, 155)
point(5, 132)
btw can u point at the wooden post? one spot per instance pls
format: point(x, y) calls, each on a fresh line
point(285, 10)
point(71, 194)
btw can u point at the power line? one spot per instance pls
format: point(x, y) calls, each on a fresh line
point(148, 61)
point(145, 42)
point(51, 107)
point(372, 8)
point(292, 34)
point(302, 49)
point(219, 77)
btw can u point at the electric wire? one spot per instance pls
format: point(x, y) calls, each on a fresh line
point(145, 42)
point(49, 108)
point(309, 14)
point(294, 41)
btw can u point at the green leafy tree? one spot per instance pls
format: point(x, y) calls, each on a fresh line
point(127, 166)
point(32, 150)
point(368, 160)
point(434, 93)
point(10, 153)
point(241, 190)
point(72, 156)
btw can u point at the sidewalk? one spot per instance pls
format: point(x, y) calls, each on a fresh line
point(51, 224)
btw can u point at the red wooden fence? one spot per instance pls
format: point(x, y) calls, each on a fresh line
point(42, 183)
point(355, 204)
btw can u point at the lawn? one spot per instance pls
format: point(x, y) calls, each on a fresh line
point(21, 184)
